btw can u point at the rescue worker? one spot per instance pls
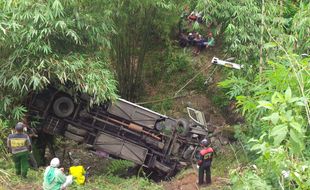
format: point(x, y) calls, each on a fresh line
point(78, 172)
point(204, 162)
point(54, 177)
point(19, 145)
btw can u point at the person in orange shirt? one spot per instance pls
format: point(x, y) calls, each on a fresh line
point(204, 162)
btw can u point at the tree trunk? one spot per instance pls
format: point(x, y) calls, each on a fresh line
point(131, 44)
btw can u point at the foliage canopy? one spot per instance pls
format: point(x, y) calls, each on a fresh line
point(51, 42)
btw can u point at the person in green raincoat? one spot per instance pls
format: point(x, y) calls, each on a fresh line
point(19, 145)
point(54, 177)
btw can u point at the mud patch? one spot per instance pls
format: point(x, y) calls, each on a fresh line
point(189, 182)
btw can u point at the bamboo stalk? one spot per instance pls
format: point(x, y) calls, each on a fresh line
point(261, 40)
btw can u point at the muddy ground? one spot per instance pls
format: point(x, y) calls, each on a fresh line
point(188, 182)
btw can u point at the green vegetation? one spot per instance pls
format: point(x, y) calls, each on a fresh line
point(104, 182)
point(273, 91)
point(105, 47)
point(52, 43)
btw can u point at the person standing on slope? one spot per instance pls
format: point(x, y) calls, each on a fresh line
point(204, 162)
point(20, 146)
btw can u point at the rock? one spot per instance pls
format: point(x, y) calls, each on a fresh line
point(189, 104)
point(216, 144)
point(223, 140)
point(217, 130)
point(211, 128)
point(213, 139)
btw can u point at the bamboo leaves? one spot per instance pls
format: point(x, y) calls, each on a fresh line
point(18, 112)
point(57, 6)
point(53, 42)
point(139, 25)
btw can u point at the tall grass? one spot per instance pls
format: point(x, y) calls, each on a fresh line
point(3, 135)
point(4, 179)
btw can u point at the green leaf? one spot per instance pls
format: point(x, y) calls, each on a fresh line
point(253, 140)
point(265, 104)
point(296, 141)
point(35, 82)
point(274, 118)
point(277, 97)
point(296, 126)
point(288, 94)
point(270, 45)
point(288, 115)
point(296, 136)
point(6, 101)
point(274, 98)
point(299, 103)
point(293, 100)
point(279, 133)
point(19, 112)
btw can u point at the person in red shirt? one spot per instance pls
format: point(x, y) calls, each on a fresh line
point(204, 162)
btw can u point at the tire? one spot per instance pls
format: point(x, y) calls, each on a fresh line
point(76, 130)
point(159, 126)
point(63, 107)
point(182, 127)
point(74, 137)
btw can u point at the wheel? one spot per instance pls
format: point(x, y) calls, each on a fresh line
point(63, 107)
point(74, 137)
point(182, 127)
point(76, 130)
point(159, 126)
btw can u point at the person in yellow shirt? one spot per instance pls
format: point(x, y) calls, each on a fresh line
point(78, 172)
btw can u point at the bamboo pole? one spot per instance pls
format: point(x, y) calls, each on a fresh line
point(261, 40)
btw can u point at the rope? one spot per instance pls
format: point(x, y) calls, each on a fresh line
point(176, 94)
point(189, 81)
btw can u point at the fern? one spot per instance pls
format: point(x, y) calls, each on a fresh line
point(119, 166)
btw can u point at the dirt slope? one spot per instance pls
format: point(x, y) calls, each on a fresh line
point(188, 182)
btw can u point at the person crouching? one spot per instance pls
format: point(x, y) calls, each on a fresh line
point(54, 177)
point(78, 172)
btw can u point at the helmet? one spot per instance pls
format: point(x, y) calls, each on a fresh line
point(55, 162)
point(204, 142)
point(19, 126)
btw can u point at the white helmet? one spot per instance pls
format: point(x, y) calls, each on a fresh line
point(55, 163)
point(204, 142)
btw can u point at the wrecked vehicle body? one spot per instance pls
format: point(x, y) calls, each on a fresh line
point(121, 128)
